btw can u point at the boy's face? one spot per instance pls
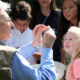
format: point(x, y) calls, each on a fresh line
point(21, 25)
point(70, 43)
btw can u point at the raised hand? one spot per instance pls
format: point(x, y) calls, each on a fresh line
point(37, 34)
point(48, 38)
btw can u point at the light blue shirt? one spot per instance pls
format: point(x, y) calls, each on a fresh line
point(22, 70)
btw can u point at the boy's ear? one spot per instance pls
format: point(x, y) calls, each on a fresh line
point(30, 18)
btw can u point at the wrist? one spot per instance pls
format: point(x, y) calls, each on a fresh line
point(34, 45)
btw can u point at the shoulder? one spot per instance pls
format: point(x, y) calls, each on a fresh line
point(29, 29)
point(7, 48)
point(76, 62)
point(57, 11)
point(76, 68)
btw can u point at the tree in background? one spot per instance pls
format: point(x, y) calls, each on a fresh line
point(58, 2)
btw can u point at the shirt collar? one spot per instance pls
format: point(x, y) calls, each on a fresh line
point(3, 42)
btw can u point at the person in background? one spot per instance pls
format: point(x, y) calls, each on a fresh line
point(70, 11)
point(45, 12)
point(12, 58)
point(72, 47)
point(21, 34)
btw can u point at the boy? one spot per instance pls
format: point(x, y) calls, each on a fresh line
point(21, 34)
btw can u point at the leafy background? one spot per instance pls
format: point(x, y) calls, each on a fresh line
point(58, 2)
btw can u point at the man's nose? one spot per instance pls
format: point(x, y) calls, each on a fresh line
point(12, 24)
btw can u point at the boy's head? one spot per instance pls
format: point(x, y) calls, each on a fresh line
point(21, 15)
point(72, 41)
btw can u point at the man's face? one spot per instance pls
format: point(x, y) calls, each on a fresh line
point(5, 30)
point(5, 24)
point(21, 25)
point(4, 16)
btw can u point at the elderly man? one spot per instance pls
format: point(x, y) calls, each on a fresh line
point(20, 68)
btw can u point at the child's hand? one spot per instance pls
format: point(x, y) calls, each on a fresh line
point(37, 34)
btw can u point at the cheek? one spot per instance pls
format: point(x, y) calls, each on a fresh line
point(26, 26)
point(18, 27)
point(74, 11)
point(64, 45)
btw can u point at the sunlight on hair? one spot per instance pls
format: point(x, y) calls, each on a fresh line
point(4, 5)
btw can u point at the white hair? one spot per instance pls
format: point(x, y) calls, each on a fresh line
point(4, 5)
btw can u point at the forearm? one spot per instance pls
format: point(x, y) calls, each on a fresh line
point(47, 64)
point(27, 50)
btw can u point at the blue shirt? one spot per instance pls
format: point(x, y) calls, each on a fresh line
point(22, 70)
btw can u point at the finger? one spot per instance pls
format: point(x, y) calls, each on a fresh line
point(43, 29)
point(39, 31)
point(35, 30)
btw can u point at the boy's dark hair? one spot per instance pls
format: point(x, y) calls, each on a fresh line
point(36, 12)
point(64, 23)
point(21, 10)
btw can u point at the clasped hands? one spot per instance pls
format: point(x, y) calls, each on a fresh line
point(48, 38)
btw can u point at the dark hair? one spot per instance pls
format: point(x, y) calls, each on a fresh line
point(36, 12)
point(21, 10)
point(64, 23)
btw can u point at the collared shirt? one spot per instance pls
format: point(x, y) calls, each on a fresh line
point(19, 39)
point(22, 70)
point(4, 42)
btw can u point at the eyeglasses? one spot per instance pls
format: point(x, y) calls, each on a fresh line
point(7, 19)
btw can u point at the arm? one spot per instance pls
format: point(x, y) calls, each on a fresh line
point(37, 54)
point(21, 69)
point(27, 50)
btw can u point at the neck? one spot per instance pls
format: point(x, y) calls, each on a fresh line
point(74, 22)
point(45, 10)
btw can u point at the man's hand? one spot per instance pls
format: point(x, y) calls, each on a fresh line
point(37, 35)
point(48, 38)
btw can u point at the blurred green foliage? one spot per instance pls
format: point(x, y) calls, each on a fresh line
point(67, 60)
point(58, 2)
